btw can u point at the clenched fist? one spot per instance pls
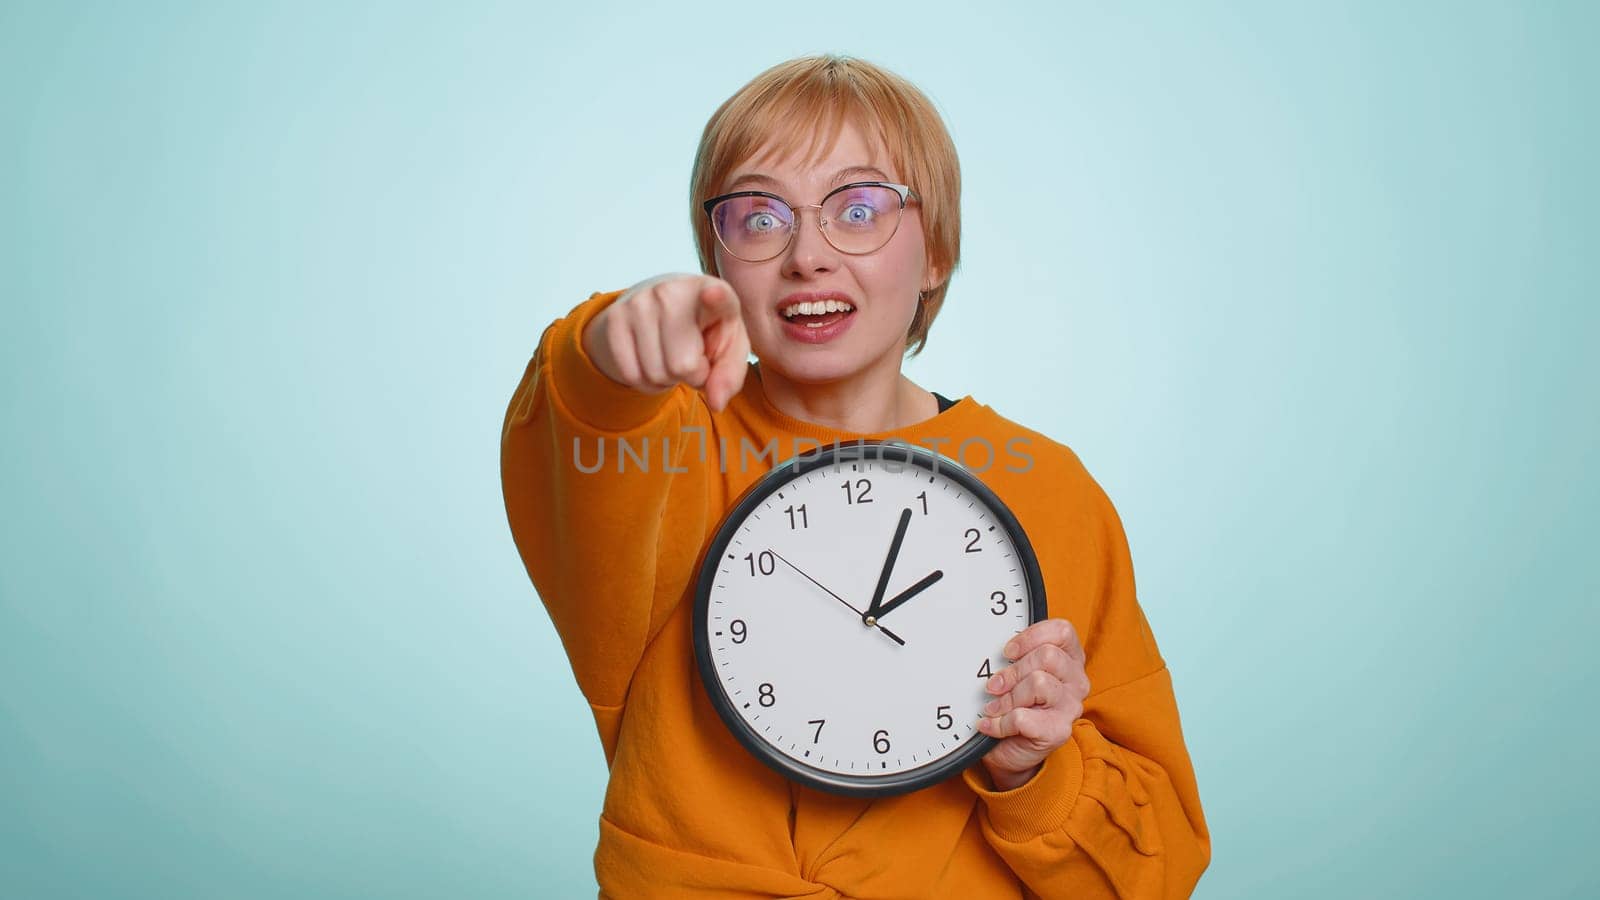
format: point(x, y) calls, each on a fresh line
point(673, 329)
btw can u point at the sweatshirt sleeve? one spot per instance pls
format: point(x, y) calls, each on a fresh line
point(1115, 811)
point(600, 486)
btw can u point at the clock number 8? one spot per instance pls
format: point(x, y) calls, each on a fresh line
point(767, 697)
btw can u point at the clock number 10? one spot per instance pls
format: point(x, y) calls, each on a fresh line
point(764, 562)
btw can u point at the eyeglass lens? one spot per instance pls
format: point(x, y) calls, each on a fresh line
point(856, 220)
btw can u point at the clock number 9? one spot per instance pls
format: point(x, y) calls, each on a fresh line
point(767, 563)
point(944, 719)
point(862, 485)
point(999, 607)
point(740, 632)
point(880, 741)
point(767, 697)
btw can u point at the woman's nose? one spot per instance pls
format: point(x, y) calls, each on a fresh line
point(809, 252)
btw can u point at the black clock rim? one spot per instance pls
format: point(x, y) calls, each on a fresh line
point(782, 474)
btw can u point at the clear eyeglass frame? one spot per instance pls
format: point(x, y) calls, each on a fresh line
point(907, 195)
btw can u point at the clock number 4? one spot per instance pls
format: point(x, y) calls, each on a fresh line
point(859, 495)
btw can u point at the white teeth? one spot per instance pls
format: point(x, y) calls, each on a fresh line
point(816, 308)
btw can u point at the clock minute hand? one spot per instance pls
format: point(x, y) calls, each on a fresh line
point(888, 564)
point(910, 592)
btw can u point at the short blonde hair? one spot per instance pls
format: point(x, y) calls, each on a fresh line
point(811, 98)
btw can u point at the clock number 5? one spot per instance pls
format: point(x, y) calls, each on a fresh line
point(944, 719)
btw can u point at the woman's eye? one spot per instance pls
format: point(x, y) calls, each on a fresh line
point(761, 222)
point(858, 214)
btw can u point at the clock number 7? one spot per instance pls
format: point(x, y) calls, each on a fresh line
point(819, 723)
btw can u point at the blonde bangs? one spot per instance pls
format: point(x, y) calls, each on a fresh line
point(801, 106)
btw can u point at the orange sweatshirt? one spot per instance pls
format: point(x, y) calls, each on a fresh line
point(688, 812)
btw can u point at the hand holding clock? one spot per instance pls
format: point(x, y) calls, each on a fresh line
point(1039, 696)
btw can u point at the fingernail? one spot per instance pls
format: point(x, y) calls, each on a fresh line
point(996, 681)
point(992, 707)
point(1011, 650)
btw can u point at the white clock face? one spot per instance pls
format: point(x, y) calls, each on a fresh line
point(815, 680)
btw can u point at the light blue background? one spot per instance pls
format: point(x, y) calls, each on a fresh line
point(1310, 290)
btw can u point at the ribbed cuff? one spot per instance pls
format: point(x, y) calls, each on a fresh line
point(1039, 806)
point(588, 393)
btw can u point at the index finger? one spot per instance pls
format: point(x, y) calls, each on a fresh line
point(717, 302)
point(1051, 631)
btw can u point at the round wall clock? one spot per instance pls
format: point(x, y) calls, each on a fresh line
point(851, 608)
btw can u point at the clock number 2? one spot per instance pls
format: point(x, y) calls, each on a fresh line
point(862, 485)
point(972, 541)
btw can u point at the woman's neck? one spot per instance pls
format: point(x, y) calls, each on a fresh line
point(874, 401)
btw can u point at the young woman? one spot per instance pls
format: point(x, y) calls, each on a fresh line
point(825, 200)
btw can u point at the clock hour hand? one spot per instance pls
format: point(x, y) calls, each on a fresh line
point(892, 636)
point(888, 564)
point(910, 592)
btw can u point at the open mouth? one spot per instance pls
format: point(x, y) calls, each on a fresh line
point(817, 313)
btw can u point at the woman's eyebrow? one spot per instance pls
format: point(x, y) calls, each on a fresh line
point(839, 177)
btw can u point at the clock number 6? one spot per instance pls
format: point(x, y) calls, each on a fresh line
point(880, 741)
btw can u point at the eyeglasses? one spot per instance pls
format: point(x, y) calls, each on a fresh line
point(855, 218)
